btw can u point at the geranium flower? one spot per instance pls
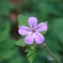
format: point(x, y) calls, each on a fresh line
point(33, 31)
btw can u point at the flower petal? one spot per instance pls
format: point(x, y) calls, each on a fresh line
point(23, 30)
point(32, 22)
point(41, 27)
point(29, 39)
point(39, 38)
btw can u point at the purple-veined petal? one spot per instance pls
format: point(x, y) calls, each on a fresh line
point(41, 27)
point(39, 38)
point(23, 30)
point(32, 22)
point(29, 39)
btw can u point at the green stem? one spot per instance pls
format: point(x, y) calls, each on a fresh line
point(44, 45)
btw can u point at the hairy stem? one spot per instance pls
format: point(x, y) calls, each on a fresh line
point(44, 45)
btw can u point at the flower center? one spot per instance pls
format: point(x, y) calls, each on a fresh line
point(33, 31)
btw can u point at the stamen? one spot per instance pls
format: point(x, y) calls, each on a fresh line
point(33, 31)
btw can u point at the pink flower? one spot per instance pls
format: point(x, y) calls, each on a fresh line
point(33, 31)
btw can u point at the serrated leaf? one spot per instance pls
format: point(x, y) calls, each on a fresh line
point(22, 20)
point(28, 49)
point(31, 57)
point(20, 42)
point(46, 22)
point(43, 33)
point(31, 54)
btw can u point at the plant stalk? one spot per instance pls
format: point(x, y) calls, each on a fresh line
point(44, 45)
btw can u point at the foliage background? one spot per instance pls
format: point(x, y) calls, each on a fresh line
point(44, 10)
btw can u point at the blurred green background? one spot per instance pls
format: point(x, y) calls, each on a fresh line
point(44, 10)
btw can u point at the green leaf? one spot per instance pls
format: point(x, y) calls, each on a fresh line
point(20, 42)
point(46, 22)
point(43, 33)
point(22, 20)
point(31, 57)
point(31, 53)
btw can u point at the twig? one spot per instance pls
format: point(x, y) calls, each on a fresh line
point(44, 45)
